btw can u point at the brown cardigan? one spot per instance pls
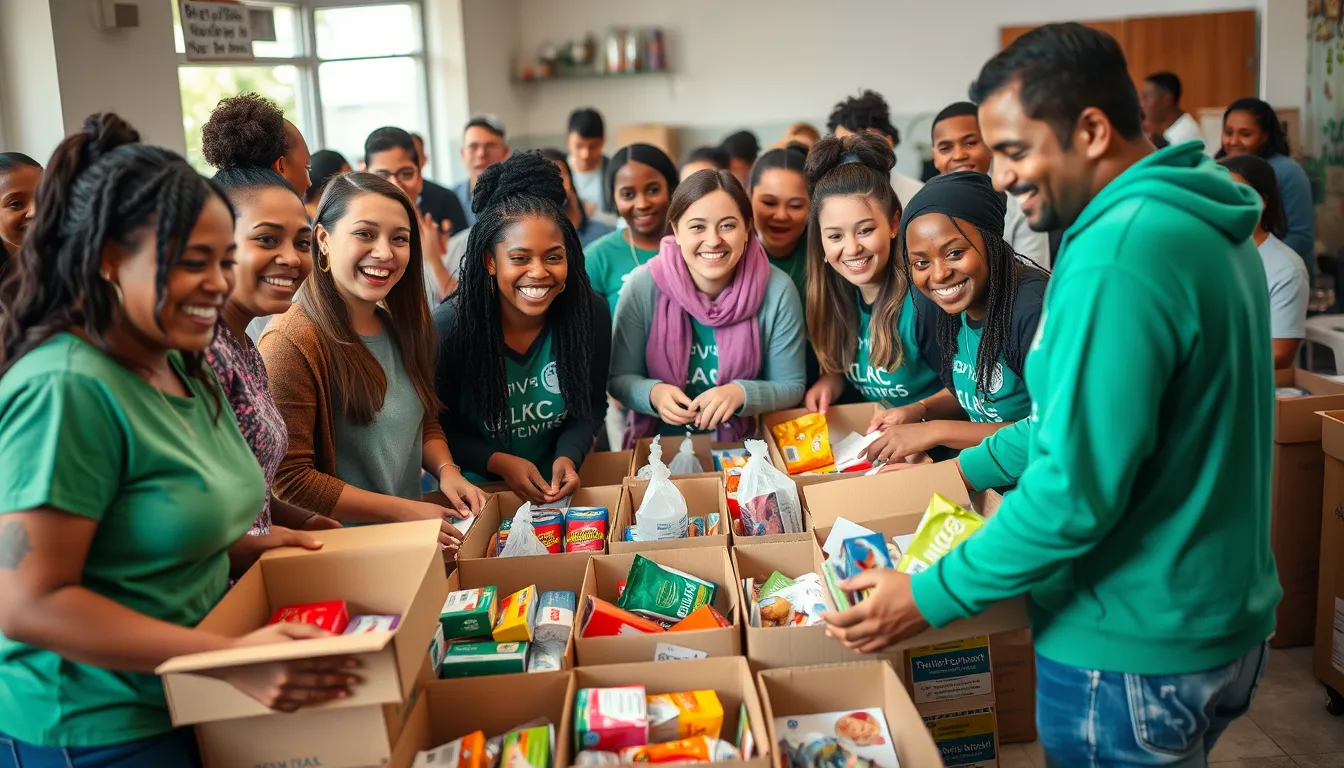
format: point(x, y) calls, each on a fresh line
point(300, 375)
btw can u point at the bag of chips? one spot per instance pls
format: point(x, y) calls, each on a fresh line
point(523, 541)
point(768, 498)
point(944, 527)
point(662, 515)
point(805, 443)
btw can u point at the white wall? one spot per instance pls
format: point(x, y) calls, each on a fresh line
point(446, 67)
point(1283, 52)
point(492, 30)
point(31, 112)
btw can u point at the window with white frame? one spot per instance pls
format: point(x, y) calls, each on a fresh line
point(338, 68)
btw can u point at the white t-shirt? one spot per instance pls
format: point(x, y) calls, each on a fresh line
point(904, 186)
point(1289, 289)
point(1186, 128)
point(589, 185)
point(1025, 240)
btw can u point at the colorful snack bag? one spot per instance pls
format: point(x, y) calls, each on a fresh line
point(549, 525)
point(602, 619)
point(528, 747)
point(658, 592)
point(610, 719)
point(517, 614)
point(331, 615)
point(725, 458)
point(684, 715)
point(768, 498)
point(863, 553)
point(703, 618)
point(365, 623)
point(701, 749)
point(943, 527)
point(555, 617)
point(586, 529)
point(466, 752)
point(805, 443)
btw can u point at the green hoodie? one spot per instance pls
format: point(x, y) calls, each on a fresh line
point(1140, 526)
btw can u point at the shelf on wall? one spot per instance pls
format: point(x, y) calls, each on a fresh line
point(581, 75)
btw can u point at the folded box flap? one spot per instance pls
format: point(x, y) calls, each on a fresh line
point(413, 536)
point(340, 645)
point(883, 495)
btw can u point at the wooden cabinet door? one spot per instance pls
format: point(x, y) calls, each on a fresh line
point(1216, 55)
point(1115, 28)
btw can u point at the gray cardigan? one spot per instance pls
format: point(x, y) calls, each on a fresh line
point(783, 341)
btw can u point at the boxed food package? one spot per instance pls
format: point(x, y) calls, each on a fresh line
point(470, 658)
point(965, 732)
point(946, 671)
point(684, 714)
point(447, 710)
point(364, 623)
point(483, 539)
point(555, 616)
point(517, 616)
point(805, 443)
point(528, 747)
point(704, 497)
point(672, 584)
point(234, 729)
point(860, 709)
point(704, 617)
point(469, 613)
point(611, 719)
point(330, 615)
point(697, 749)
point(466, 752)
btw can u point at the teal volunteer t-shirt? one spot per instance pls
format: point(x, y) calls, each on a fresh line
point(609, 260)
point(536, 406)
point(910, 383)
point(1005, 398)
point(703, 373)
point(172, 487)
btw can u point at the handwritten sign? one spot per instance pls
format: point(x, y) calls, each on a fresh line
point(216, 30)
point(669, 652)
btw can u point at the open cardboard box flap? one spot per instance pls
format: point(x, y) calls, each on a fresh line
point(1332, 433)
point(877, 496)
point(1295, 419)
point(401, 573)
point(671, 445)
point(603, 468)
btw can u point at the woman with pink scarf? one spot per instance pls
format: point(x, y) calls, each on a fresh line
point(708, 335)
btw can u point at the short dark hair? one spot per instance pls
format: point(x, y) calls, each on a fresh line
point(1061, 70)
point(742, 145)
point(322, 166)
point(702, 183)
point(489, 123)
point(1167, 82)
point(1259, 175)
point(862, 113)
point(10, 160)
point(791, 157)
point(244, 130)
point(1276, 141)
point(587, 122)
point(388, 137)
point(561, 159)
point(718, 156)
point(958, 109)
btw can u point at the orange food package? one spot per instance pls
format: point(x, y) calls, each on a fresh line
point(805, 443)
point(704, 617)
point(602, 619)
point(700, 749)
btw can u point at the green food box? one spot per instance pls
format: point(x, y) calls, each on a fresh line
point(469, 613)
point(532, 745)
point(478, 659)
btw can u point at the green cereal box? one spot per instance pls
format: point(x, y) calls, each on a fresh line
point(469, 613)
point(477, 659)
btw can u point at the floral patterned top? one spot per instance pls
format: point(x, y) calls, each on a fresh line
point(242, 374)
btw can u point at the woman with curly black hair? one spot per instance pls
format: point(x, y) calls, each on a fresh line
point(250, 131)
point(525, 342)
point(988, 304)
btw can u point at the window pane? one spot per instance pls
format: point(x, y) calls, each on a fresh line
point(203, 87)
point(288, 33)
point(359, 96)
point(373, 30)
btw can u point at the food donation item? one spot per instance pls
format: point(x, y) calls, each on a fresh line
point(366, 623)
point(586, 529)
point(944, 527)
point(785, 602)
point(805, 443)
point(528, 747)
point(698, 749)
point(468, 613)
point(330, 615)
point(602, 619)
point(684, 715)
point(522, 539)
point(466, 752)
point(610, 719)
point(857, 554)
point(685, 462)
point(768, 499)
point(837, 740)
point(662, 515)
point(465, 658)
point(704, 617)
point(517, 615)
point(555, 617)
point(662, 593)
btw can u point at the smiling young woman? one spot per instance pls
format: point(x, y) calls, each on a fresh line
point(641, 180)
point(352, 369)
point(779, 206)
point(19, 176)
point(525, 343)
point(708, 335)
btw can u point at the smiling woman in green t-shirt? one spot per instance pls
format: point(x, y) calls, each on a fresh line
point(126, 479)
point(525, 342)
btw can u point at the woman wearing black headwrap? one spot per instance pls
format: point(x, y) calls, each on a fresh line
point(989, 302)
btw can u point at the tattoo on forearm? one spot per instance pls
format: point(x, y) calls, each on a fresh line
point(13, 545)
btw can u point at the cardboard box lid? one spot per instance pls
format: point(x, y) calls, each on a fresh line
point(876, 496)
point(401, 572)
point(603, 468)
point(839, 687)
point(1295, 419)
point(1332, 433)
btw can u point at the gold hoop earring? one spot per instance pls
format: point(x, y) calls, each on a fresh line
point(563, 286)
point(116, 290)
point(323, 266)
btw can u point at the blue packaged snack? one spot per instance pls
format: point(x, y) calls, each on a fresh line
point(864, 553)
point(555, 616)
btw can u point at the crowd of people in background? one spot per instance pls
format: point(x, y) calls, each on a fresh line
point(294, 344)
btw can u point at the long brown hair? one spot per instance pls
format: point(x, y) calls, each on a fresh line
point(405, 312)
point(855, 165)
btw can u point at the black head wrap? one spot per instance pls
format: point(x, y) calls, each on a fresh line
point(965, 195)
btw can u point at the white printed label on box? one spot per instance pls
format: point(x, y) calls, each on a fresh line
point(1337, 647)
point(951, 670)
point(669, 652)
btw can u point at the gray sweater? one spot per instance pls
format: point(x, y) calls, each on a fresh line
point(783, 341)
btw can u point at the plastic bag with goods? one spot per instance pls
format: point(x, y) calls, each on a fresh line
point(768, 498)
point(685, 462)
point(663, 513)
point(523, 539)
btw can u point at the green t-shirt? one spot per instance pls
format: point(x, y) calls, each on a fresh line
point(536, 407)
point(703, 373)
point(795, 266)
point(385, 455)
point(609, 260)
point(1005, 399)
point(912, 382)
point(172, 487)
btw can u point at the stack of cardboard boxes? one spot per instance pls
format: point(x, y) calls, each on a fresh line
point(1328, 661)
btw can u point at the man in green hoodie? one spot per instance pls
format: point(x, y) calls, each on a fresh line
point(1139, 528)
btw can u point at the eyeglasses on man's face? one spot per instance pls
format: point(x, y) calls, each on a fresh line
point(404, 175)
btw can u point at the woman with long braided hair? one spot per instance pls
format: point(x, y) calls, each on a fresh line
point(525, 341)
point(126, 481)
point(988, 304)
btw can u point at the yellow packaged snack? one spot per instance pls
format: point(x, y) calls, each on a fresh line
point(675, 716)
point(944, 526)
point(804, 442)
point(517, 615)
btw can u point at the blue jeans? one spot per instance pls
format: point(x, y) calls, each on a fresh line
point(175, 749)
point(1093, 719)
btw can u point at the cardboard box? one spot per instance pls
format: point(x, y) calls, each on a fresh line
point(893, 504)
point(1328, 661)
point(703, 493)
point(775, 647)
point(838, 687)
point(840, 419)
point(1013, 659)
point(947, 671)
point(965, 732)
point(709, 563)
point(728, 677)
point(235, 730)
point(605, 468)
point(502, 506)
point(1295, 418)
point(450, 709)
point(703, 445)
